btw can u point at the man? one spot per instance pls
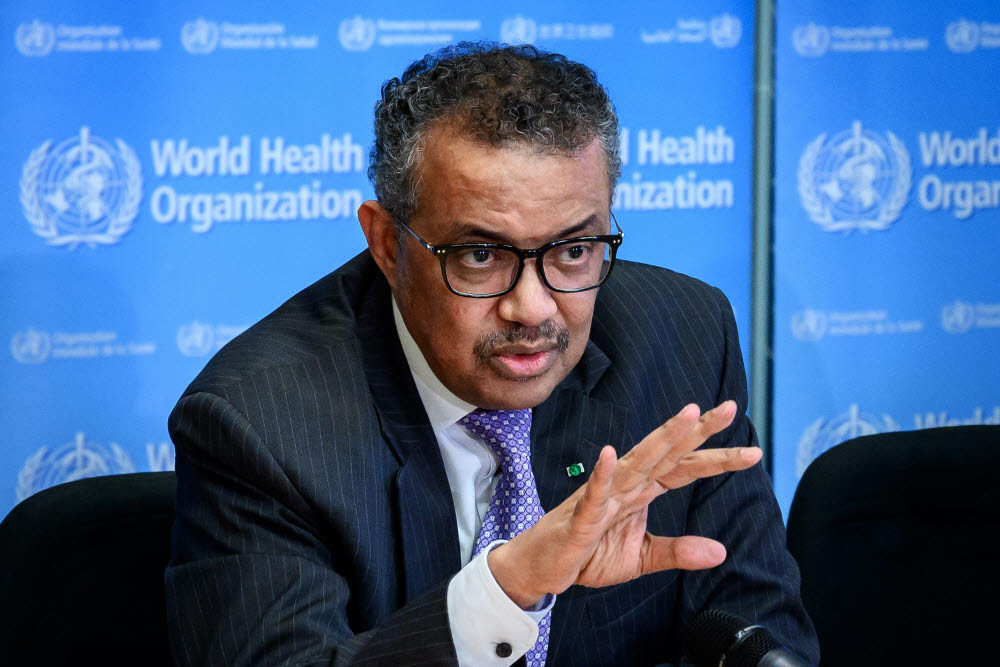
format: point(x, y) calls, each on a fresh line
point(356, 483)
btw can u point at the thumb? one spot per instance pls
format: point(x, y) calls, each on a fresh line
point(592, 507)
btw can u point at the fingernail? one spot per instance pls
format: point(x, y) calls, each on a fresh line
point(716, 551)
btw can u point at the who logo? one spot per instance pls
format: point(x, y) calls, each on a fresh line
point(962, 36)
point(198, 339)
point(200, 36)
point(35, 39)
point(825, 433)
point(77, 459)
point(855, 180)
point(518, 30)
point(809, 325)
point(725, 31)
point(83, 190)
point(958, 317)
point(357, 33)
point(811, 40)
point(195, 339)
point(30, 346)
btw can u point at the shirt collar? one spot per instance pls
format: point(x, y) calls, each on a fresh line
point(443, 407)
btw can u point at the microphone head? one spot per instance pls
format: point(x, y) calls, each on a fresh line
point(715, 633)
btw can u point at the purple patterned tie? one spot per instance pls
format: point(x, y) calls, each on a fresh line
point(514, 506)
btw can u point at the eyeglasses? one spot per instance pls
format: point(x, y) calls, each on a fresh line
point(482, 270)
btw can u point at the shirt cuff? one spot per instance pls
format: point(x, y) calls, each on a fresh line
point(488, 628)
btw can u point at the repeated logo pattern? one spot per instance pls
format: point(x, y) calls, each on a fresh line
point(35, 39)
point(200, 36)
point(31, 346)
point(195, 339)
point(725, 31)
point(856, 179)
point(77, 459)
point(809, 324)
point(518, 30)
point(811, 40)
point(83, 190)
point(962, 36)
point(958, 317)
point(825, 433)
point(515, 506)
point(357, 33)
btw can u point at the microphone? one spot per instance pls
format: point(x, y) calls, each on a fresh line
point(717, 638)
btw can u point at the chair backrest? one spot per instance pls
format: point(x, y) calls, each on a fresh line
point(898, 539)
point(81, 573)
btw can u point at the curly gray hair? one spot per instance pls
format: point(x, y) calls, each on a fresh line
point(496, 94)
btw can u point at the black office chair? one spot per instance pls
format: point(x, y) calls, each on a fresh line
point(81, 573)
point(898, 539)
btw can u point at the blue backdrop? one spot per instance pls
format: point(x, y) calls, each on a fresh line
point(170, 174)
point(887, 188)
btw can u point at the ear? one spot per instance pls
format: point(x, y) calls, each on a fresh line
point(380, 230)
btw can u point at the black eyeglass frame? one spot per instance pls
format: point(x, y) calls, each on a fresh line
point(442, 252)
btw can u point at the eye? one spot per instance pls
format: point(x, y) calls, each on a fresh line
point(574, 253)
point(477, 257)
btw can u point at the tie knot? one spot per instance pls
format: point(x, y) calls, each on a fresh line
point(501, 430)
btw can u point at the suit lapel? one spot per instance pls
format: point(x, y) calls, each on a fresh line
point(572, 426)
point(423, 498)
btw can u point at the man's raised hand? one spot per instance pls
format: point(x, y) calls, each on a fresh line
point(598, 537)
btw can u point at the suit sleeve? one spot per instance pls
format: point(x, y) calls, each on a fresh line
point(253, 580)
point(759, 580)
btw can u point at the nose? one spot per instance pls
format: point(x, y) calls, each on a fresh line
point(530, 302)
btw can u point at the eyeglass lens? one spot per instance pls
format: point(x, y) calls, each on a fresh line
point(571, 266)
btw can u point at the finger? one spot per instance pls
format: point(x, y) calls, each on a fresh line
point(714, 421)
point(708, 463)
point(644, 456)
point(689, 552)
point(593, 505)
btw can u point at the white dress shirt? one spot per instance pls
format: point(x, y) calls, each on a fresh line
point(480, 614)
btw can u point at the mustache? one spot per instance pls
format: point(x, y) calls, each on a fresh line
point(546, 331)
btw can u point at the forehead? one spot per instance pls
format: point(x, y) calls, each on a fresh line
point(518, 190)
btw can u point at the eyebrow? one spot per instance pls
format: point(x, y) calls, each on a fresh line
point(466, 229)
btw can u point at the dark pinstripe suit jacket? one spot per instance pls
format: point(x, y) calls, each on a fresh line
point(314, 519)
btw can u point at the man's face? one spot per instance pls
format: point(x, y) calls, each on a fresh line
point(502, 352)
